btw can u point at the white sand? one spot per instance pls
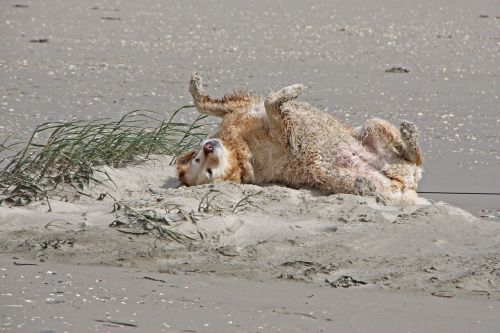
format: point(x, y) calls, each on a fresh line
point(276, 232)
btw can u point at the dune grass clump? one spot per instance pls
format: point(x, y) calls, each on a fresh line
point(68, 153)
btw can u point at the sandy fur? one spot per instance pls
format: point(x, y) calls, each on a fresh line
point(289, 142)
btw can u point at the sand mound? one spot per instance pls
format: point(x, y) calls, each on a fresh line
point(260, 232)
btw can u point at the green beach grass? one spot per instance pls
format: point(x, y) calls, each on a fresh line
point(69, 153)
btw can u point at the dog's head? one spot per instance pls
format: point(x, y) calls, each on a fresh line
point(212, 161)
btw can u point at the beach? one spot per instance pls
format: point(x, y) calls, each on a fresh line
point(246, 258)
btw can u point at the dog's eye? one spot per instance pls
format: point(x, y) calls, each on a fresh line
point(209, 171)
point(197, 160)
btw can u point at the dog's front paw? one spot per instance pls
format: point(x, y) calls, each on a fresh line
point(196, 84)
point(291, 92)
point(285, 94)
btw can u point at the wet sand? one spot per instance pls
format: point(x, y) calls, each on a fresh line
point(67, 298)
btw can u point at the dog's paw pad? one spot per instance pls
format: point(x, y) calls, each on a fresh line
point(408, 130)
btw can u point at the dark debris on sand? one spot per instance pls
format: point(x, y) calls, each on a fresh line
point(396, 69)
point(39, 40)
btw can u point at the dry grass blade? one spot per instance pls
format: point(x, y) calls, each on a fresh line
point(146, 221)
point(207, 205)
point(244, 203)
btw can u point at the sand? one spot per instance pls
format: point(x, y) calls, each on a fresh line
point(248, 237)
point(427, 268)
point(105, 59)
point(65, 298)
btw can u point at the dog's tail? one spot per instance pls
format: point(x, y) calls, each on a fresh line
point(238, 101)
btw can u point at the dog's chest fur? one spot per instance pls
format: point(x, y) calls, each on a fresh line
point(251, 137)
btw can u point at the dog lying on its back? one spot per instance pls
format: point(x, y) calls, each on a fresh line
point(284, 141)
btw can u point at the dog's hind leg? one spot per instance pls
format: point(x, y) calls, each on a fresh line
point(218, 107)
point(385, 140)
point(343, 180)
point(385, 190)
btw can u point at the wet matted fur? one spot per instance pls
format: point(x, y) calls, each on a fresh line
point(280, 140)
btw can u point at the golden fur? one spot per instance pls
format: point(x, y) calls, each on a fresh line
point(284, 141)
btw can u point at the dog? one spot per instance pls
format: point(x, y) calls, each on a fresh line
point(280, 140)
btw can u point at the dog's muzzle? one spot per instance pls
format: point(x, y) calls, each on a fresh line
point(209, 146)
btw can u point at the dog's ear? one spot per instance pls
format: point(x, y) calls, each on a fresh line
point(184, 159)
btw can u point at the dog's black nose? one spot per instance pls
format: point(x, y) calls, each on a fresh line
point(208, 147)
